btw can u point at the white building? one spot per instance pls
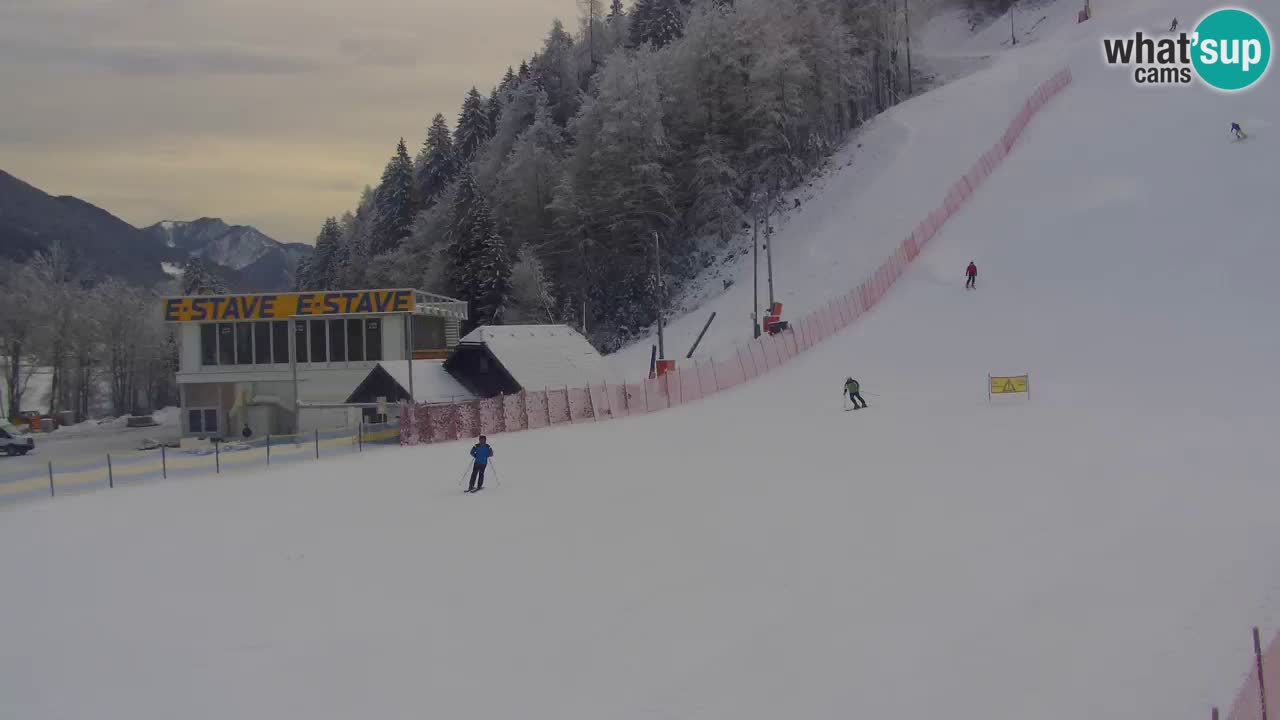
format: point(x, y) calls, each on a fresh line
point(283, 363)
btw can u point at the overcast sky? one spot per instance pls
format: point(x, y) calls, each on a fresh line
point(273, 113)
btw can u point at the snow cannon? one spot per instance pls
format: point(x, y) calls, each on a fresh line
point(773, 323)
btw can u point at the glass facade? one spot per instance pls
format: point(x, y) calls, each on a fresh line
point(338, 340)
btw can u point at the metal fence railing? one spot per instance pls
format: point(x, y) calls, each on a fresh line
point(63, 476)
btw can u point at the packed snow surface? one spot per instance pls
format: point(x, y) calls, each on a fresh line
point(1097, 550)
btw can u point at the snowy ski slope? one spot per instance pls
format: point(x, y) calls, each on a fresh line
point(1098, 551)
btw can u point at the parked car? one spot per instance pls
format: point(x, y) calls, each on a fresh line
point(13, 444)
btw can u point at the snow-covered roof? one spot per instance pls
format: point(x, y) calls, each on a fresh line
point(431, 382)
point(329, 386)
point(543, 356)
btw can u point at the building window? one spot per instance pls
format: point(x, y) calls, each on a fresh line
point(355, 339)
point(208, 344)
point(337, 341)
point(226, 344)
point(318, 349)
point(202, 421)
point(244, 343)
point(300, 341)
point(280, 341)
point(261, 343)
point(372, 339)
point(428, 333)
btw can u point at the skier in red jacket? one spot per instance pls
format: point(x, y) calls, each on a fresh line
point(972, 273)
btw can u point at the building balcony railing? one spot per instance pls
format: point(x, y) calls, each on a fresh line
point(442, 306)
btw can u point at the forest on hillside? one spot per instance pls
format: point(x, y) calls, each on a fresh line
point(681, 118)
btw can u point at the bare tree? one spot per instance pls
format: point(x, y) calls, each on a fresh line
point(57, 301)
point(17, 328)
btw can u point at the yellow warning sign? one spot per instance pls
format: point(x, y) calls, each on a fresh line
point(1002, 384)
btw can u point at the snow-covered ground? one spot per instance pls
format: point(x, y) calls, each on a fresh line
point(1099, 550)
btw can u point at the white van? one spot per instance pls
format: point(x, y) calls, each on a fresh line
point(13, 444)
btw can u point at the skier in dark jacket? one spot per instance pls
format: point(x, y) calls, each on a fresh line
point(852, 387)
point(481, 452)
point(972, 273)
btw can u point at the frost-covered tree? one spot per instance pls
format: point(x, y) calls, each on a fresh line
point(508, 81)
point(437, 164)
point(592, 14)
point(529, 178)
point(517, 115)
point(656, 22)
point(617, 192)
point(324, 268)
point(394, 202)
point(473, 126)
point(480, 268)
point(532, 299)
point(555, 71)
point(199, 279)
point(493, 109)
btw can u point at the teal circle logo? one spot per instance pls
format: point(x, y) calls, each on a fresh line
point(1231, 49)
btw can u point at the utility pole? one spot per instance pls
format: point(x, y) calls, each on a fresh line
point(768, 245)
point(906, 9)
point(657, 266)
point(1012, 35)
point(755, 268)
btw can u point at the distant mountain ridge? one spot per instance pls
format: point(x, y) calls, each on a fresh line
point(256, 261)
point(102, 244)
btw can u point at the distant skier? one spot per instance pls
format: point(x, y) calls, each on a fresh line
point(1174, 26)
point(971, 272)
point(1238, 132)
point(852, 387)
point(481, 452)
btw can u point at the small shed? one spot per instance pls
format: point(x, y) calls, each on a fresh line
point(506, 359)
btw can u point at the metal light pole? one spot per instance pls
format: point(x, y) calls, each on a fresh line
point(657, 266)
point(768, 254)
point(755, 269)
point(906, 9)
point(768, 247)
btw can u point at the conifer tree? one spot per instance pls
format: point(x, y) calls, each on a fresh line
point(437, 164)
point(198, 279)
point(394, 203)
point(324, 267)
point(494, 110)
point(479, 266)
point(657, 22)
point(473, 126)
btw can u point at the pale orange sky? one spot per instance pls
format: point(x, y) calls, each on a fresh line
point(272, 113)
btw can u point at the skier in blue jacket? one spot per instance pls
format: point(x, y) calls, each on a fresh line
point(1237, 131)
point(481, 452)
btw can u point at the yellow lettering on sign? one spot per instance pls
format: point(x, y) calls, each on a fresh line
point(282, 306)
